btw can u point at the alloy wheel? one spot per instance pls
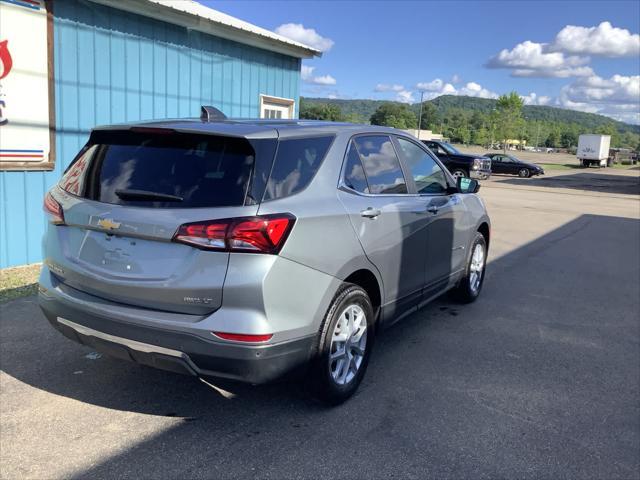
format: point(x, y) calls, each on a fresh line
point(348, 344)
point(476, 268)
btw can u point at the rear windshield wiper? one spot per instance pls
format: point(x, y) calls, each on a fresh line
point(146, 195)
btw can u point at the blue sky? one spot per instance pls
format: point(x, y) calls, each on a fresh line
point(396, 50)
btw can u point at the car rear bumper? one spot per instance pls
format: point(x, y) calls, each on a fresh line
point(171, 349)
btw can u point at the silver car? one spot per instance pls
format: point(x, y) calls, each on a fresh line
point(251, 250)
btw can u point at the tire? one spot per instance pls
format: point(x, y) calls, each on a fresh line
point(459, 172)
point(333, 381)
point(469, 287)
point(524, 173)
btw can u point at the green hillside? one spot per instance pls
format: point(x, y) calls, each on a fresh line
point(444, 104)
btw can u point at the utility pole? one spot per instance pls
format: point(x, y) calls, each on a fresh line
point(420, 116)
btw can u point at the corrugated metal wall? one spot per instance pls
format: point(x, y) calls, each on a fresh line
point(112, 66)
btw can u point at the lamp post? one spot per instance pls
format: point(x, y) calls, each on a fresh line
point(420, 116)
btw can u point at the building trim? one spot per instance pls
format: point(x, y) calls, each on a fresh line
point(194, 16)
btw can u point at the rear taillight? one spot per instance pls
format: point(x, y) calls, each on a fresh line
point(265, 234)
point(54, 209)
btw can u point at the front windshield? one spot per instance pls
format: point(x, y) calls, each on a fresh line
point(450, 148)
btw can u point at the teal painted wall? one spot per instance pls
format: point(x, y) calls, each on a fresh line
point(112, 66)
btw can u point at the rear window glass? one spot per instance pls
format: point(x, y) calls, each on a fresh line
point(381, 164)
point(296, 163)
point(169, 170)
point(354, 176)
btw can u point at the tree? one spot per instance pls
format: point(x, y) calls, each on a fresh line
point(509, 120)
point(480, 136)
point(394, 115)
point(321, 111)
point(552, 140)
point(568, 139)
point(430, 116)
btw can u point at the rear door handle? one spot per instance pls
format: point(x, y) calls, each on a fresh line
point(370, 212)
point(432, 209)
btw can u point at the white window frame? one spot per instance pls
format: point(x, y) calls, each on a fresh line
point(278, 101)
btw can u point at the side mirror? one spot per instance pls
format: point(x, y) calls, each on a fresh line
point(467, 185)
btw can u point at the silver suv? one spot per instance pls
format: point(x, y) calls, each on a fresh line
point(253, 249)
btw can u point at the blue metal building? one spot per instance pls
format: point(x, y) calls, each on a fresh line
point(117, 61)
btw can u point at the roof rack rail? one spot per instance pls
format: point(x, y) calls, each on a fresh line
point(209, 113)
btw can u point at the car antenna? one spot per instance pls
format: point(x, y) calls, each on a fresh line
point(209, 114)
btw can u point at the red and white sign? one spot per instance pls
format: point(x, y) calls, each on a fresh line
point(24, 82)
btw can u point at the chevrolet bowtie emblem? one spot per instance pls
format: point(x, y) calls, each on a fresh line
point(108, 224)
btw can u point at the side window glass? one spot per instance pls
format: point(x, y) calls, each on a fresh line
point(74, 178)
point(296, 163)
point(354, 176)
point(381, 164)
point(427, 174)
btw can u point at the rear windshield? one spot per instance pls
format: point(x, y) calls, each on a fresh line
point(184, 170)
point(169, 170)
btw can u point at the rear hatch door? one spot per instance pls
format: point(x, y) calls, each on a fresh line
point(125, 198)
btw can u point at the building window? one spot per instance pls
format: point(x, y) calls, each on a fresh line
point(276, 107)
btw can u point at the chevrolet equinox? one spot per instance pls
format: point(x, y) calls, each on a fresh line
point(250, 249)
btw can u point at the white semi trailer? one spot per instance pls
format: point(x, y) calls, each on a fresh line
point(593, 150)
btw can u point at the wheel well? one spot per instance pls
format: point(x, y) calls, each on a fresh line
point(484, 230)
point(368, 281)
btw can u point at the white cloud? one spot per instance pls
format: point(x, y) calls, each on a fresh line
point(308, 36)
point(530, 59)
point(383, 87)
point(307, 77)
point(456, 78)
point(405, 96)
point(617, 97)
point(307, 72)
point(324, 80)
point(473, 89)
point(437, 87)
point(534, 99)
point(605, 40)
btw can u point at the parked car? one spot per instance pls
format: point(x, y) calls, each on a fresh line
point(460, 164)
point(253, 249)
point(503, 163)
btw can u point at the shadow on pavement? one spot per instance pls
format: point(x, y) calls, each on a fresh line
point(538, 378)
point(595, 182)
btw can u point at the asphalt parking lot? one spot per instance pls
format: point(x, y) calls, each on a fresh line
point(538, 379)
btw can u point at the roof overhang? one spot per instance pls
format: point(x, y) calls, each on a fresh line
point(195, 16)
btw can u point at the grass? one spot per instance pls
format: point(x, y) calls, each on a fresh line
point(18, 282)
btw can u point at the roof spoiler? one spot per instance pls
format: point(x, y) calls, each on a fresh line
point(209, 114)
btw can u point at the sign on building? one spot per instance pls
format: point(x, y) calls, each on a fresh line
point(26, 103)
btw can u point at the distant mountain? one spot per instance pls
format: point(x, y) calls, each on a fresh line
point(445, 103)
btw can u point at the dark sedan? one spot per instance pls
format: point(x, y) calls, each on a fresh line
point(502, 163)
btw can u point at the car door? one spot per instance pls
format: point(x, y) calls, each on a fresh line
point(388, 220)
point(509, 165)
point(444, 215)
point(497, 165)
